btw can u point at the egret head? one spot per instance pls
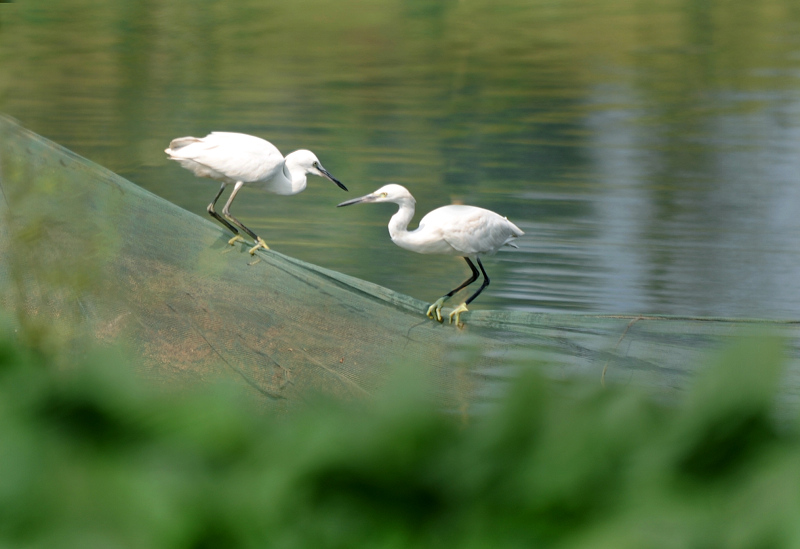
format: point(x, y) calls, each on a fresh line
point(308, 161)
point(388, 193)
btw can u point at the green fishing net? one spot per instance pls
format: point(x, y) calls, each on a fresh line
point(88, 254)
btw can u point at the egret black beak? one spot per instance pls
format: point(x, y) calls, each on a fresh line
point(327, 174)
point(365, 198)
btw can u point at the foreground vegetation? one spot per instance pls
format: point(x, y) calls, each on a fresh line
point(93, 456)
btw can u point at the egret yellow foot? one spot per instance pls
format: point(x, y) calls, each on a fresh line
point(435, 310)
point(259, 244)
point(235, 239)
point(457, 314)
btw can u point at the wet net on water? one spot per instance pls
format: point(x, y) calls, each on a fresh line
point(94, 254)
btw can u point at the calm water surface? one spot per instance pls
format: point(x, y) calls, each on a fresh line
point(650, 150)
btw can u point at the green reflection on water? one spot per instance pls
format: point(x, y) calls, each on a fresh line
point(620, 135)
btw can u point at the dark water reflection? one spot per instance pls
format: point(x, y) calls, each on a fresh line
point(649, 150)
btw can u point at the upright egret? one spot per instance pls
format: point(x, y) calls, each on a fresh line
point(243, 159)
point(464, 231)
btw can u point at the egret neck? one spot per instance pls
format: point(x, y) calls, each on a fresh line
point(398, 224)
point(292, 178)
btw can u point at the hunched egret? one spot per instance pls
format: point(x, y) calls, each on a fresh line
point(241, 159)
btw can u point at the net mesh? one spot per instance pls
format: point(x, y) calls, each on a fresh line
point(93, 253)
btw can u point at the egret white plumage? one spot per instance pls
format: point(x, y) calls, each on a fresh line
point(465, 231)
point(241, 159)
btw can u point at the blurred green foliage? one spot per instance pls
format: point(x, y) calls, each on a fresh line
point(94, 456)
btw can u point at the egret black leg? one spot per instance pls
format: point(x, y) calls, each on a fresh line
point(467, 282)
point(227, 213)
point(435, 310)
point(456, 314)
point(218, 217)
point(485, 281)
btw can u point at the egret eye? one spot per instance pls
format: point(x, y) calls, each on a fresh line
point(384, 195)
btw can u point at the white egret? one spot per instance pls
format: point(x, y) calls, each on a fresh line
point(465, 231)
point(241, 159)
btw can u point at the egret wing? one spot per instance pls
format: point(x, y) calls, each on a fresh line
point(471, 230)
point(236, 156)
